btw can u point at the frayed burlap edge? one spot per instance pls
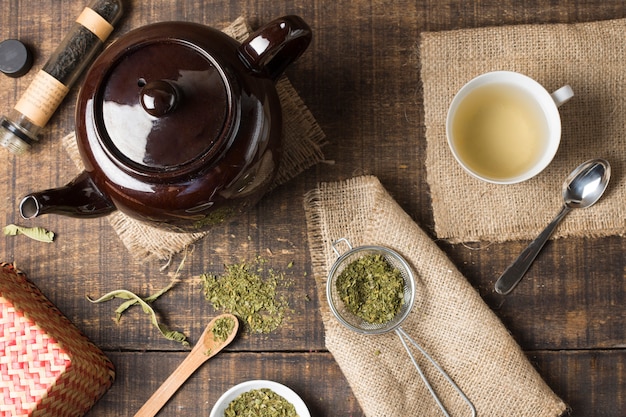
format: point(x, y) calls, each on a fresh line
point(449, 319)
point(303, 140)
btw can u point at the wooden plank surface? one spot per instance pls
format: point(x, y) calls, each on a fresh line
point(360, 78)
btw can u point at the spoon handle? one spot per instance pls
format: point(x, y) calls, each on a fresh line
point(162, 395)
point(515, 272)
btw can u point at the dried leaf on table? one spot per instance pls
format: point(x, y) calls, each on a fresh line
point(145, 306)
point(37, 233)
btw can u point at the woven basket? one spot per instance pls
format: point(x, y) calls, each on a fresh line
point(48, 367)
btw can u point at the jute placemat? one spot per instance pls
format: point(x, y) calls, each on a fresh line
point(588, 56)
point(449, 319)
point(302, 143)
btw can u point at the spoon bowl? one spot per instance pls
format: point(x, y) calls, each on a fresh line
point(209, 345)
point(586, 184)
point(581, 189)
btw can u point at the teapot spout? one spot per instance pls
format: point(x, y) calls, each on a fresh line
point(79, 198)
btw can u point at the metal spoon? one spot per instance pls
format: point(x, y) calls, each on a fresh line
point(581, 189)
point(207, 347)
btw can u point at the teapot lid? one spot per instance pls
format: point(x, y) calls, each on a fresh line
point(162, 104)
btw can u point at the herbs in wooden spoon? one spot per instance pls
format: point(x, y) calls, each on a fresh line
point(207, 347)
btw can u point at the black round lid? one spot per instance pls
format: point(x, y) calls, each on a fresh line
point(15, 58)
point(163, 104)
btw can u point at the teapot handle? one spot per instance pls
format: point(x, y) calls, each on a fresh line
point(273, 47)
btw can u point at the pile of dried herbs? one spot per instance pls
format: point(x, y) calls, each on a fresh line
point(371, 289)
point(248, 291)
point(260, 403)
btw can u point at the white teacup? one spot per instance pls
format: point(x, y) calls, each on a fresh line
point(504, 127)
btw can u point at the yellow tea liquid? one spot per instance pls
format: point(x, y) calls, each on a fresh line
point(499, 131)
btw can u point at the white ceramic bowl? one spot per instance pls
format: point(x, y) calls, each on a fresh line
point(285, 392)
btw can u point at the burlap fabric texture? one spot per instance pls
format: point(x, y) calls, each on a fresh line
point(588, 56)
point(302, 143)
point(449, 319)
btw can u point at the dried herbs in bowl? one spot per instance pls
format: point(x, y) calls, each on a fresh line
point(262, 402)
point(260, 398)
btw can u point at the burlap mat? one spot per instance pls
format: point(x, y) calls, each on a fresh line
point(302, 143)
point(449, 319)
point(588, 56)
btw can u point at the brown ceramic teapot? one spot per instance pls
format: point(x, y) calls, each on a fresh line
point(178, 125)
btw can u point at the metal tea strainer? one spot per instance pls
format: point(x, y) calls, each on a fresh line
point(359, 325)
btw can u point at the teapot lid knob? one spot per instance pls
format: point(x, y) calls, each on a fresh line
point(160, 97)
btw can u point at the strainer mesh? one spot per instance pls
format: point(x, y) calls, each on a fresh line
point(339, 308)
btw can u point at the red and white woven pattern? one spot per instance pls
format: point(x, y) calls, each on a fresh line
point(47, 367)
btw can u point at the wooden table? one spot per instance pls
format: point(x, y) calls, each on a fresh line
point(360, 78)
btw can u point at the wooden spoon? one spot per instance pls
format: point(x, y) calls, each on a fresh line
point(206, 348)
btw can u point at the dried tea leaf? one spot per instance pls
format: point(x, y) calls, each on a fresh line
point(145, 306)
point(150, 299)
point(37, 233)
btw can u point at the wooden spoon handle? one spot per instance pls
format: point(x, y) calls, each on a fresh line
point(162, 395)
point(206, 348)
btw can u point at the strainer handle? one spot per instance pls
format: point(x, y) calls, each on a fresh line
point(402, 335)
point(337, 242)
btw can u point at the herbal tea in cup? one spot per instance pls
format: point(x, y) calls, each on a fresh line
point(503, 127)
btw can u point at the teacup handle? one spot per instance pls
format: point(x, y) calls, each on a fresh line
point(562, 95)
point(273, 47)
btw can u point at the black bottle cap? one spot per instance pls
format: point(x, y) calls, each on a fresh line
point(15, 58)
